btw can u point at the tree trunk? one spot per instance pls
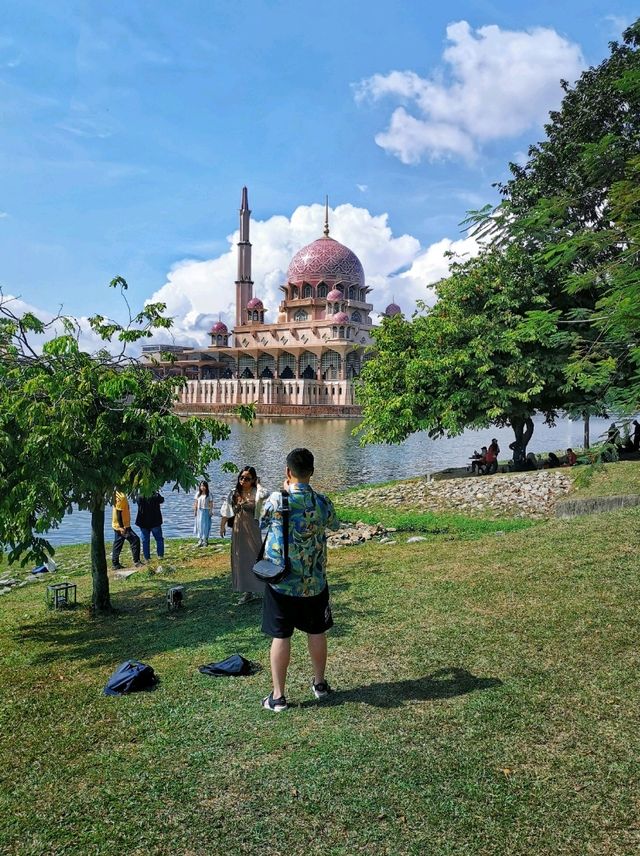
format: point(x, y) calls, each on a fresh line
point(101, 602)
point(523, 430)
point(585, 419)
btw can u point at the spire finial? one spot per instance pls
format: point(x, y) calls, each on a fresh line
point(326, 216)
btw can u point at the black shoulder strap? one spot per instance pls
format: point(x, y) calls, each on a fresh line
point(285, 527)
point(285, 531)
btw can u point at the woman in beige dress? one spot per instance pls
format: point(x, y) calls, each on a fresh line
point(241, 510)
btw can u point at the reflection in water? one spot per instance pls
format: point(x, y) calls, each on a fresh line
point(340, 462)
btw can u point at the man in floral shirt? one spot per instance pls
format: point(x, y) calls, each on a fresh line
point(300, 600)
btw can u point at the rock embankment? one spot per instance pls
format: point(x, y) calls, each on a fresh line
point(356, 533)
point(514, 494)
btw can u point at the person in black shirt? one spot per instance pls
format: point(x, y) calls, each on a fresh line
point(149, 521)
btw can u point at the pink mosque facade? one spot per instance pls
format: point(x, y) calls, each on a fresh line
point(304, 363)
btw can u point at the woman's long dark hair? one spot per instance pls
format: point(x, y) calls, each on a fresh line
point(238, 488)
point(206, 485)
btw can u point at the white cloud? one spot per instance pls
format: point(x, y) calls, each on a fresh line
point(87, 339)
point(617, 24)
point(198, 292)
point(496, 84)
point(362, 187)
point(429, 267)
point(3, 214)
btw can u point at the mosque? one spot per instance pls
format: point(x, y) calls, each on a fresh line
point(306, 361)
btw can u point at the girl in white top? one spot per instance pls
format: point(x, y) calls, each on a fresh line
point(202, 509)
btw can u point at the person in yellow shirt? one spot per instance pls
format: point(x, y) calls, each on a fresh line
point(121, 523)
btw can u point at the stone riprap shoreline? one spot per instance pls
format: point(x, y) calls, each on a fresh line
point(514, 494)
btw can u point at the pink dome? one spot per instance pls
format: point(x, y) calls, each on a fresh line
point(340, 318)
point(326, 260)
point(255, 303)
point(393, 309)
point(219, 327)
point(336, 294)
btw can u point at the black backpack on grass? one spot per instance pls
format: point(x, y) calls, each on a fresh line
point(131, 677)
point(233, 667)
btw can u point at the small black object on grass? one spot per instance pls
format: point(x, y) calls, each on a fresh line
point(175, 597)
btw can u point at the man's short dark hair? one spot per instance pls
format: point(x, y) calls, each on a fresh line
point(300, 462)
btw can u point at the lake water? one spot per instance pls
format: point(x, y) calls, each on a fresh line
point(340, 462)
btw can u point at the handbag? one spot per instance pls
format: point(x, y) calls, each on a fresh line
point(266, 570)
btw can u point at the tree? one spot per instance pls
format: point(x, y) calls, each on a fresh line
point(574, 207)
point(75, 425)
point(487, 353)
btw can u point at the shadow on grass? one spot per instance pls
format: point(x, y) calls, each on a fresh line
point(142, 626)
point(443, 684)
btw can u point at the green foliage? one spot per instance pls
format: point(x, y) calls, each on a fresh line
point(486, 353)
point(74, 426)
point(574, 205)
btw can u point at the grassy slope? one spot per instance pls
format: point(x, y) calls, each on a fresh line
point(616, 479)
point(486, 703)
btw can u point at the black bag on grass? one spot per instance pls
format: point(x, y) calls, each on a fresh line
point(131, 677)
point(233, 667)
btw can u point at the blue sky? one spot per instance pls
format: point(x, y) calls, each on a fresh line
point(129, 128)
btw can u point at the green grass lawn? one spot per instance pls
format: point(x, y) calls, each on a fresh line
point(486, 703)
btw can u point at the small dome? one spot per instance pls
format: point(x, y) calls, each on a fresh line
point(336, 294)
point(340, 318)
point(392, 309)
point(219, 327)
point(255, 303)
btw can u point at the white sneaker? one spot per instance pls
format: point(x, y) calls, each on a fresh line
point(321, 690)
point(276, 705)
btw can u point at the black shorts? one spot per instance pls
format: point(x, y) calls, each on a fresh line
point(282, 613)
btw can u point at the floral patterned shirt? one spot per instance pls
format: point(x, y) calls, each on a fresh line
point(310, 515)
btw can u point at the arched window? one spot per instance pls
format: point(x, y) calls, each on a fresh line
point(286, 365)
point(322, 290)
point(353, 365)
point(266, 366)
point(295, 292)
point(362, 295)
point(335, 332)
point(300, 315)
point(342, 332)
point(306, 290)
point(352, 293)
point(356, 316)
point(330, 365)
point(247, 366)
point(308, 365)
